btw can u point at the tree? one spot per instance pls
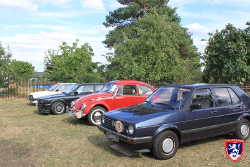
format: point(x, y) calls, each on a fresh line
point(5, 59)
point(227, 56)
point(22, 70)
point(72, 63)
point(153, 47)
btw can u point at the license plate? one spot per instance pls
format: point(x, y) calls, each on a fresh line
point(112, 137)
point(79, 115)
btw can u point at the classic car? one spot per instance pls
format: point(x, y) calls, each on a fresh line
point(57, 103)
point(54, 90)
point(114, 94)
point(176, 114)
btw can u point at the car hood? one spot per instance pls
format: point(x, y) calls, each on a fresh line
point(92, 96)
point(54, 96)
point(140, 113)
point(43, 93)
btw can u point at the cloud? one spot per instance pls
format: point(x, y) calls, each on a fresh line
point(18, 5)
point(197, 29)
point(95, 5)
point(113, 4)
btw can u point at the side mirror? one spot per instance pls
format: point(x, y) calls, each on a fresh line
point(75, 93)
point(57, 90)
point(195, 106)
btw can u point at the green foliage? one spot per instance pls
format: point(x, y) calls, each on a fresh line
point(71, 62)
point(153, 47)
point(227, 56)
point(22, 70)
point(5, 59)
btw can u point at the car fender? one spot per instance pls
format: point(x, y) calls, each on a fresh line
point(57, 100)
point(244, 115)
point(92, 104)
point(165, 127)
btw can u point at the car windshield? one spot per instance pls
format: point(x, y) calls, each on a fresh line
point(174, 97)
point(70, 89)
point(109, 87)
point(53, 87)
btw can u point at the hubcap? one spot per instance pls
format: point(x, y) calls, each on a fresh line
point(244, 130)
point(97, 116)
point(59, 108)
point(167, 145)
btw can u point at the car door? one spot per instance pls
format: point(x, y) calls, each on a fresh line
point(126, 96)
point(229, 108)
point(200, 122)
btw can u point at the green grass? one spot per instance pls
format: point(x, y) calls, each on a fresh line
point(29, 139)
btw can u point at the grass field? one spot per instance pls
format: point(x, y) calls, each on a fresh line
point(30, 139)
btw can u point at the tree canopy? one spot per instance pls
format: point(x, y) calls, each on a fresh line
point(72, 63)
point(151, 46)
point(5, 59)
point(227, 56)
point(22, 70)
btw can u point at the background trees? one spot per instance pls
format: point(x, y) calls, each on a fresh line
point(71, 62)
point(5, 59)
point(22, 70)
point(227, 56)
point(149, 44)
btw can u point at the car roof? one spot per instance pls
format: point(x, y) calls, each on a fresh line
point(128, 81)
point(200, 85)
point(90, 84)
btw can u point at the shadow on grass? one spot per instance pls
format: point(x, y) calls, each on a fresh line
point(75, 121)
point(101, 142)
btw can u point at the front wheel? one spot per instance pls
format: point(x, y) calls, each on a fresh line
point(58, 108)
point(242, 130)
point(95, 115)
point(165, 145)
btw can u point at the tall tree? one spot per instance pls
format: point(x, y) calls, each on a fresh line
point(72, 63)
point(151, 46)
point(5, 59)
point(22, 70)
point(227, 56)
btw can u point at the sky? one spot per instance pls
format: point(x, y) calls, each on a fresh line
point(32, 27)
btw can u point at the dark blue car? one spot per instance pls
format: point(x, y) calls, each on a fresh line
point(176, 114)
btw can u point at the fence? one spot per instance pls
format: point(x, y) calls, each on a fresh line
point(14, 87)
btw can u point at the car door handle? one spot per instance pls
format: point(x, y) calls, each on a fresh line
point(213, 111)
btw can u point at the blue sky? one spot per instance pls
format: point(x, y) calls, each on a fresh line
point(31, 27)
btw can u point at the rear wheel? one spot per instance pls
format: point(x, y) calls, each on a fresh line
point(58, 108)
point(165, 145)
point(242, 130)
point(95, 115)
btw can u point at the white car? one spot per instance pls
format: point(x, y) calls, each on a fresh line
point(54, 90)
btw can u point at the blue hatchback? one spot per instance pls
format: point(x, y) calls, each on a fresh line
point(176, 114)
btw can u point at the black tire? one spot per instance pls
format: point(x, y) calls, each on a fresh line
point(165, 145)
point(242, 130)
point(58, 108)
point(94, 117)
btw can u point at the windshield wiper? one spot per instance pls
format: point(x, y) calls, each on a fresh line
point(165, 105)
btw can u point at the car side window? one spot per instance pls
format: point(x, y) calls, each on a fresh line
point(203, 97)
point(127, 90)
point(63, 87)
point(226, 96)
point(98, 88)
point(144, 90)
point(85, 89)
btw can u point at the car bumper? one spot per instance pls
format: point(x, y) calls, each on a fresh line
point(73, 112)
point(135, 144)
point(44, 108)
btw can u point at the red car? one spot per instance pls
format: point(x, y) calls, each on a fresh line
point(114, 94)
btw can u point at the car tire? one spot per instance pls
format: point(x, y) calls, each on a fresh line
point(165, 145)
point(58, 108)
point(95, 115)
point(242, 130)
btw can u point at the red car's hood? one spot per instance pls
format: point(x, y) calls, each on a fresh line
point(92, 96)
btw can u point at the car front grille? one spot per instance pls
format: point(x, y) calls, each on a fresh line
point(110, 123)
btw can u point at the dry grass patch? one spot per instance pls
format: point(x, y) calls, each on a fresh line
point(30, 139)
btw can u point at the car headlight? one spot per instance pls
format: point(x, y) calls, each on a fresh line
point(130, 129)
point(72, 104)
point(83, 106)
